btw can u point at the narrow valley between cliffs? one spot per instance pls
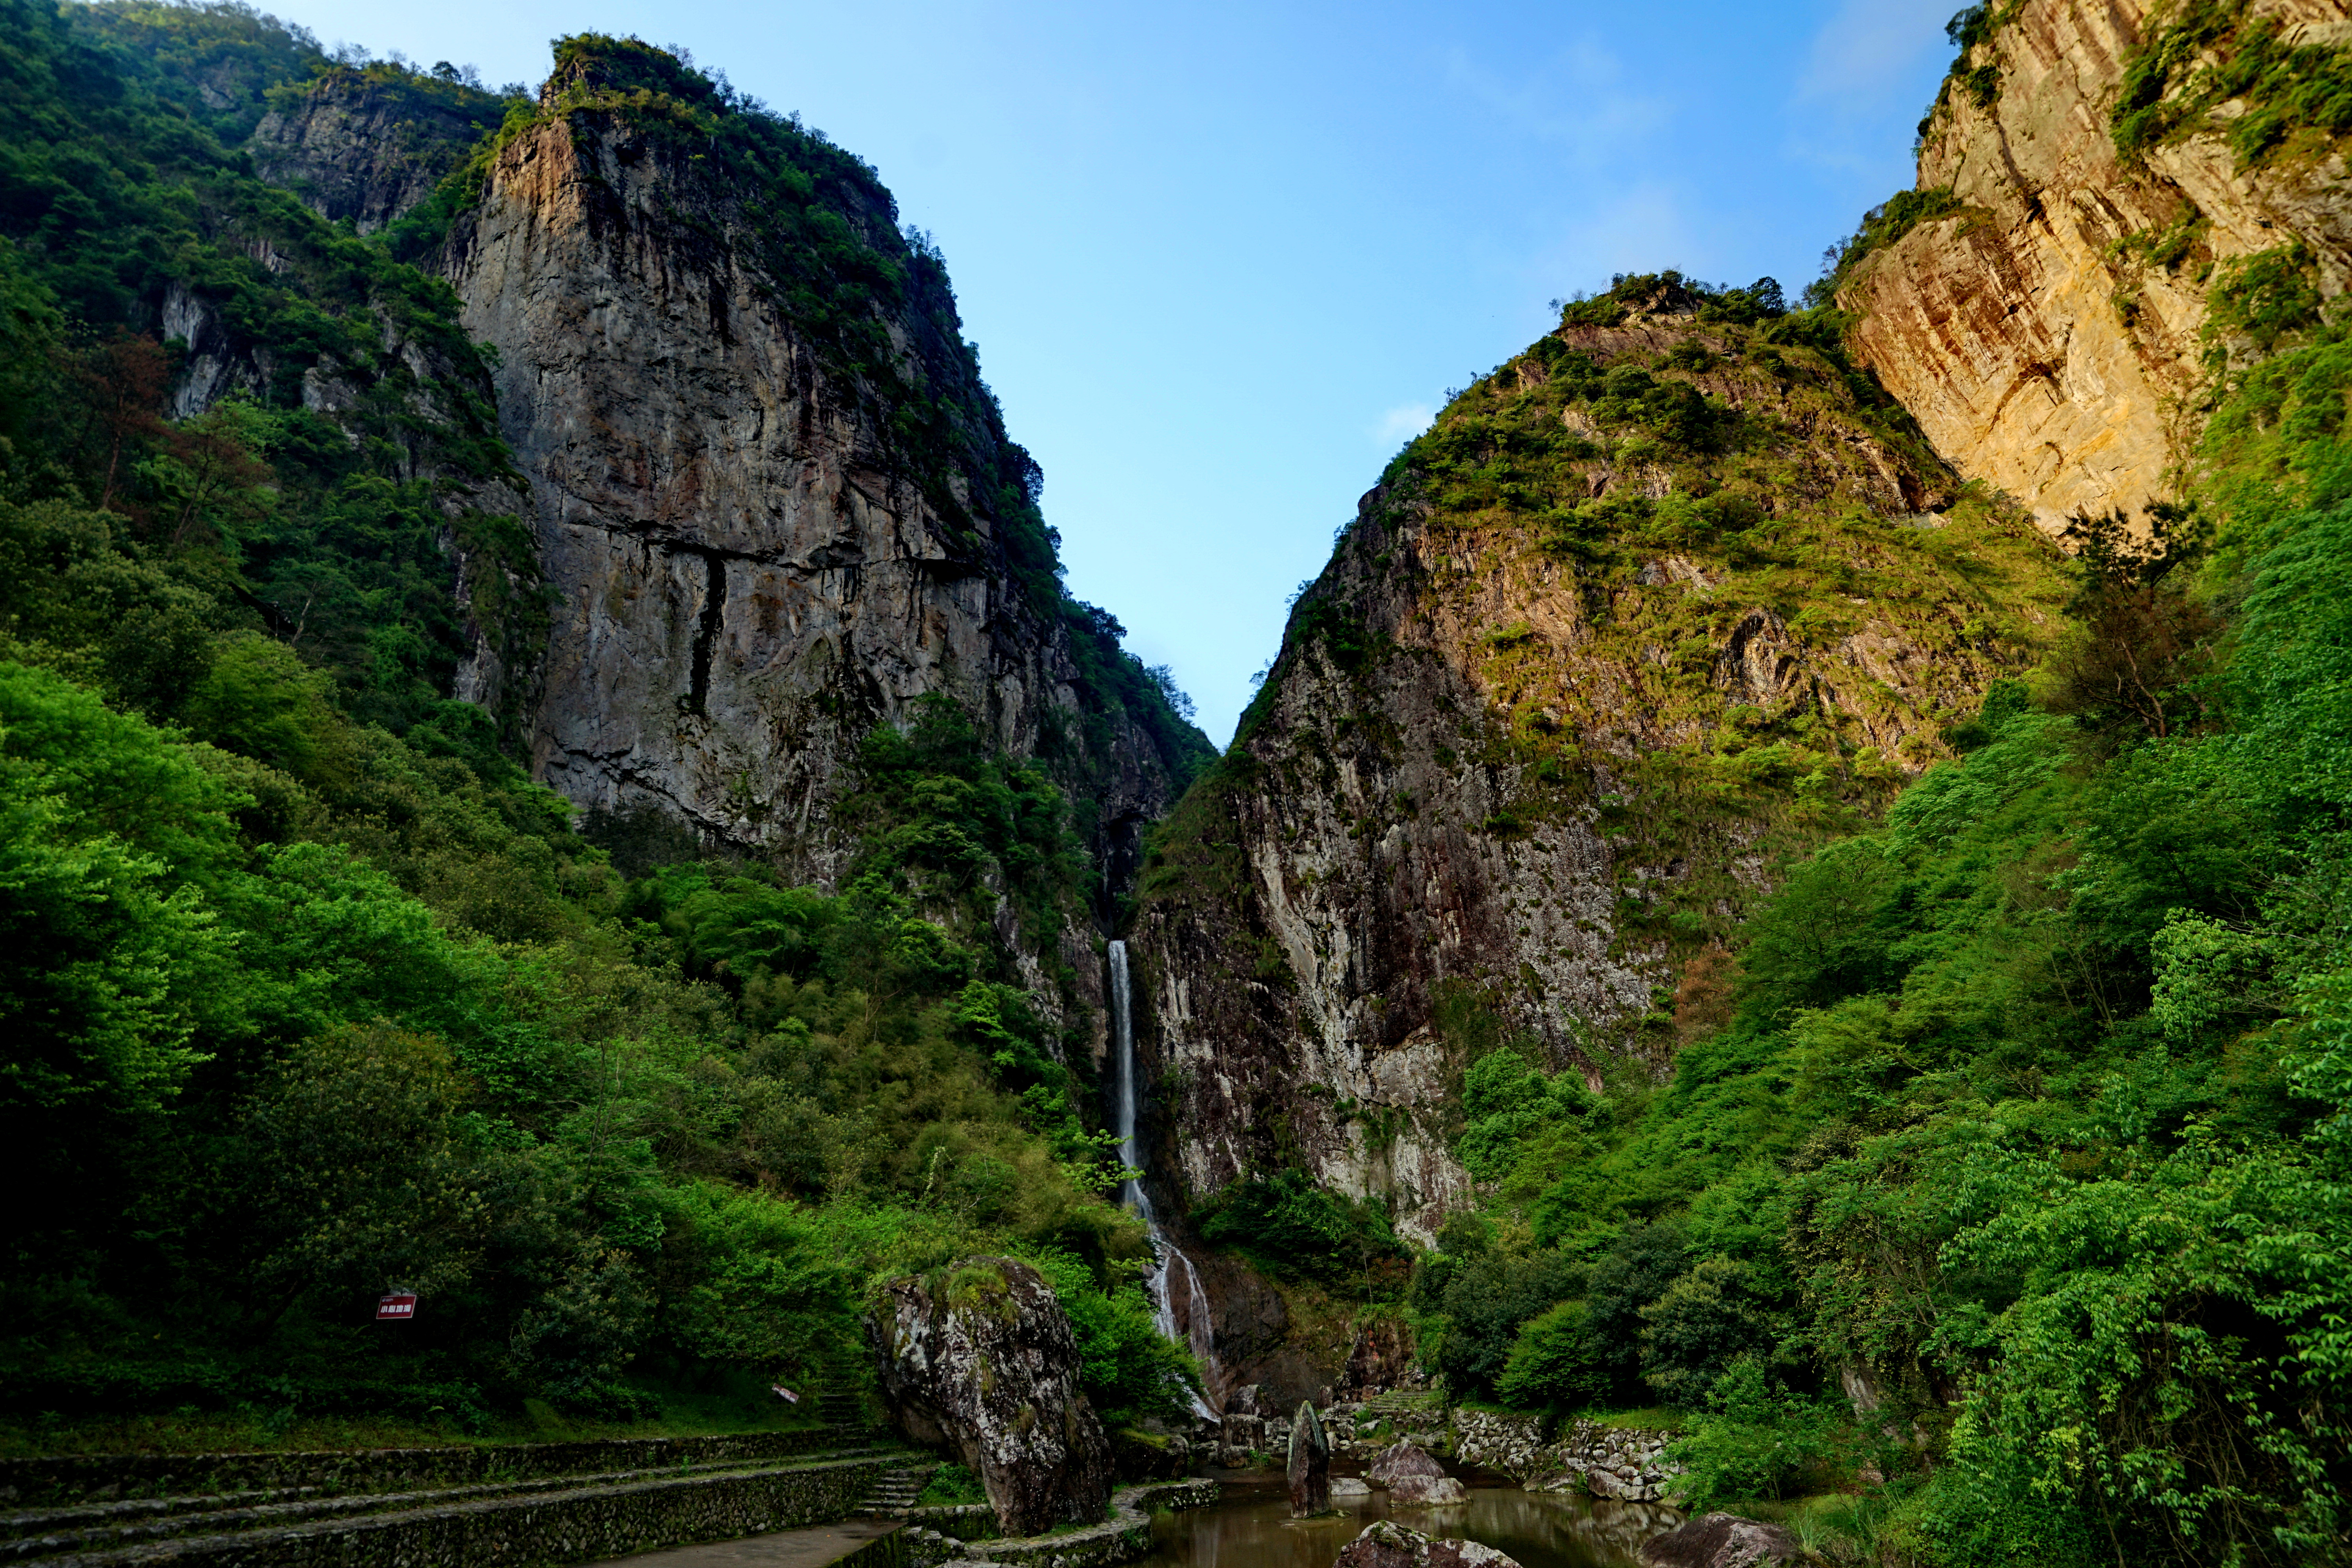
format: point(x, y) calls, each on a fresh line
point(603, 956)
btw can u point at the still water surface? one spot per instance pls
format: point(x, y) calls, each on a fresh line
point(1251, 1528)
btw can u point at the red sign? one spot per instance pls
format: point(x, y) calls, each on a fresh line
point(393, 1307)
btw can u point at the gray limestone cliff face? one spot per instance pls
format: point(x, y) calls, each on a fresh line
point(364, 148)
point(745, 578)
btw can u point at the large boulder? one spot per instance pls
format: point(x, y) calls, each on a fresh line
point(980, 1355)
point(1387, 1544)
point(1413, 1477)
point(1721, 1541)
point(1310, 1465)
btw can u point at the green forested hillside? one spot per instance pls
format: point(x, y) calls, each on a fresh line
point(309, 993)
point(2009, 1219)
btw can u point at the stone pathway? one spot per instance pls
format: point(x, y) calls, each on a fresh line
point(810, 1548)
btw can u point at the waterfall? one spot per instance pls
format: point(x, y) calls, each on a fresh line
point(1171, 1268)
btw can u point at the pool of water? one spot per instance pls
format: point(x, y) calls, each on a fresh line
point(1251, 1528)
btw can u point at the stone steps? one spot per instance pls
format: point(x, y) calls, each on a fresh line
point(534, 1520)
point(893, 1494)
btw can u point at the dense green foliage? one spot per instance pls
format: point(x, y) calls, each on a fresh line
point(310, 992)
point(2019, 1178)
point(1292, 1229)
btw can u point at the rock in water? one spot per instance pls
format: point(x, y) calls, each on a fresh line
point(1721, 1541)
point(1348, 1489)
point(1413, 1477)
point(1310, 1464)
point(989, 1364)
point(1386, 1544)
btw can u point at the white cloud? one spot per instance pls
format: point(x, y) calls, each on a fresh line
point(1404, 423)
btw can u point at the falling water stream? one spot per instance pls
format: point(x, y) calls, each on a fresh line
point(1172, 1270)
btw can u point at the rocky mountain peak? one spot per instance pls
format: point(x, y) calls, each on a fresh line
point(365, 145)
point(773, 499)
point(1660, 598)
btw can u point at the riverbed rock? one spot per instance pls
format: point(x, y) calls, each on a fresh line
point(1387, 1544)
point(1310, 1465)
point(981, 1357)
point(1402, 1457)
point(1413, 1479)
point(1350, 1489)
point(1427, 1491)
point(1721, 1541)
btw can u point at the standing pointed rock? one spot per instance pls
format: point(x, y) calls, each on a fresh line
point(1310, 1464)
point(980, 1354)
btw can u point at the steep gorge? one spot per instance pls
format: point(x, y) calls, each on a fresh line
point(1574, 682)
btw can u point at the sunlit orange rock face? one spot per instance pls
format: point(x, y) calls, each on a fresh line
point(2045, 334)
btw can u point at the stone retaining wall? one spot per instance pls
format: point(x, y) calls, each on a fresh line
point(1625, 1463)
point(552, 1528)
point(1126, 1534)
point(31, 1483)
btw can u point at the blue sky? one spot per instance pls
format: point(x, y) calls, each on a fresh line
point(1222, 259)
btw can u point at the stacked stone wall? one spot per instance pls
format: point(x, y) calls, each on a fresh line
point(30, 1483)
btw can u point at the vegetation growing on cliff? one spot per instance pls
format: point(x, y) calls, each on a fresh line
point(2017, 1177)
point(1723, 475)
point(310, 994)
point(2290, 100)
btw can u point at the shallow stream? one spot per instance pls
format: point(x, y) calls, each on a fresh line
point(1251, 1528)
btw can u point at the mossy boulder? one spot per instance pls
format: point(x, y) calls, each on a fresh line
point(981, 1357)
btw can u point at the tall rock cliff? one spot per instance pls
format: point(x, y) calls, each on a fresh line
point(363, 145)
point(2122, 199)
point(1672, 591)
point(774, 502)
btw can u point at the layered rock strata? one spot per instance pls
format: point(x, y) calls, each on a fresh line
point(2048, 332)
